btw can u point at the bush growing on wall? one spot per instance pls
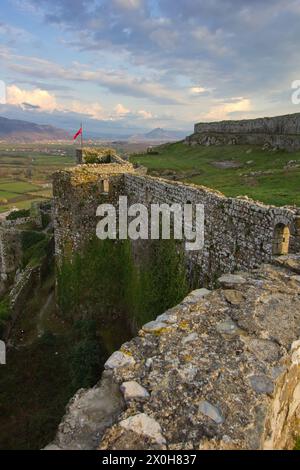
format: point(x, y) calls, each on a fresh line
point(97, 155)
point(86, 356)
point(104, 279)
point(5, 314)
point(160, 284)
point(14, 215)
point(34, 246)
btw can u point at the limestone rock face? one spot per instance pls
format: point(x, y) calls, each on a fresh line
point(138, 432)
point(211, 411)
point(145, 426)
point(225, 375)
point(133, 391)
point(196, 295)
point(88, 414)
point(234, 297)
point(231, 280)
point(118, 359)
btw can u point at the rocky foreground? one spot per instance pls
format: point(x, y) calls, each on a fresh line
point(221, 370)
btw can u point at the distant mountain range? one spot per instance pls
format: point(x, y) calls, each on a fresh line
point(12, 130)
point(158, 135)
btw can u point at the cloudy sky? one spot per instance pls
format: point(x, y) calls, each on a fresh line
point(127, 65)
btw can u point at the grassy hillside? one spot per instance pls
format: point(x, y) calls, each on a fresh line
point(272, 177)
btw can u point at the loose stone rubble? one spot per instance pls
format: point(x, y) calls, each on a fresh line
point(222, 372)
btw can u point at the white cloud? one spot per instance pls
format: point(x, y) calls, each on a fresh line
point(120, 110)
point(145, 114)
point(197, 90)
point(93, 110)
point(113, 80)
point(37, 97)
point(38, 100)
point(223, 111)
point(43, 101)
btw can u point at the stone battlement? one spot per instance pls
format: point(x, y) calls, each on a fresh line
point(281, 132)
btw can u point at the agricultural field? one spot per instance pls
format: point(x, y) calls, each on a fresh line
point(270, 176)
point(25, 172)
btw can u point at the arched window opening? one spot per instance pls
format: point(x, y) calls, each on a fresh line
point(105, 186)
point(281, 240)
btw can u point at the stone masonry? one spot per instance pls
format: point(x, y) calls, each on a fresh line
point(221, 370)
point(281, 132)
point(10, 255)
point(239, 232)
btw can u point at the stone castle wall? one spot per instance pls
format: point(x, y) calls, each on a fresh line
point(10, 255)
point(239, 232)
point(77, 194)
point(281, 132)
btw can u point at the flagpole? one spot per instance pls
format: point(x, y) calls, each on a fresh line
point(81, 135)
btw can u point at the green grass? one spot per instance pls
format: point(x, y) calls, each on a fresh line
point(18, 187)
point(25, 168)
point(7, 195)
point(196, 165)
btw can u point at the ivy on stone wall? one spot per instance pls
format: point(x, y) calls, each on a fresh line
point(158, 285)
point(5, 314)
point(103, 280)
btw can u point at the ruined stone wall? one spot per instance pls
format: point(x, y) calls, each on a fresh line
point(238, 234)
point(10, 255)
point(77, 194)
point(278, 132)
point(238, 231)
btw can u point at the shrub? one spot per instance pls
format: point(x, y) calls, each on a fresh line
point(35, 253)
point(98, 155)
point(45, 219)
point(18, 214)
point(30, 238)
point(4, 313)
point(86, 357)
point(85, 363)
point(34, 245)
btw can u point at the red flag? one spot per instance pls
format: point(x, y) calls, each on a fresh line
point(77, 134)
